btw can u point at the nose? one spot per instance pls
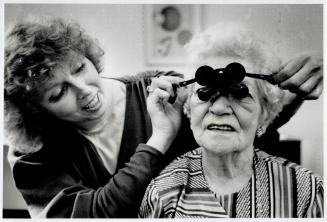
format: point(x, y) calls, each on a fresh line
point(81, 87)
point(220, 105)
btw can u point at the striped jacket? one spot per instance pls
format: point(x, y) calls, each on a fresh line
point(278, 188)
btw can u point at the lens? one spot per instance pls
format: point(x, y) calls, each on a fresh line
point(206, 93)
point(204, 75)
point(239, 91)
point(234, 72)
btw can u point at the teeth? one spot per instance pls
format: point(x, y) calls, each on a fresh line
point(220, 127)
point(93, 103)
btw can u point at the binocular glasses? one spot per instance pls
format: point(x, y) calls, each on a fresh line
point(222, 80)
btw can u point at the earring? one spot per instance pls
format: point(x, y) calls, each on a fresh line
point(259, 131)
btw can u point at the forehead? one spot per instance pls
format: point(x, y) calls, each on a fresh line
point(223, 61)
point(69, 59)
point(62, 67)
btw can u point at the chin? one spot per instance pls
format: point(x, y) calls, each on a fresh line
point(219, 148)
point(218, 145)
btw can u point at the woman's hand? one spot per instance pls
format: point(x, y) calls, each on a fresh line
point(302, 75)
point(165, 117)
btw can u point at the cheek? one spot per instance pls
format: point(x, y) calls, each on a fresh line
point(93, 75)
point(196, 126)
point(64, 108)
point(62, 112)
point(198, 112)
point(95, 81)
point(248, 116)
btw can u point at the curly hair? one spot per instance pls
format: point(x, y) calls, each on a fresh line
point(235, 40)
point(32, 50)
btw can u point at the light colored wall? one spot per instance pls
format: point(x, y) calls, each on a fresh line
point(120, 30)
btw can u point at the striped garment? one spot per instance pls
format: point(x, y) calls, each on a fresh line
point(278, 188)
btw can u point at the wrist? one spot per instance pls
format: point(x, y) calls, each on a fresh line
point(160, 142)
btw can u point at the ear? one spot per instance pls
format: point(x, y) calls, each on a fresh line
point(264, 120)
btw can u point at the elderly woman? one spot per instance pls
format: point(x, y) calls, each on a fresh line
point(227, 176)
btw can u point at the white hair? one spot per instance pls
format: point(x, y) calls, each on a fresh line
point(237, 41)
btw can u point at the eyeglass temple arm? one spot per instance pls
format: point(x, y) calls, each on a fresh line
point(185, 83)
point(172, 99)
point(252, 75)
point(269, 78)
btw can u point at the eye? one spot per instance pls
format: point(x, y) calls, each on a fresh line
point(197, 91)
point(205, 93)
point(80, 68)
point(240, 91)
point(56, 97)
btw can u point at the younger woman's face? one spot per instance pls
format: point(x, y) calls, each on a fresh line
point(75, 92)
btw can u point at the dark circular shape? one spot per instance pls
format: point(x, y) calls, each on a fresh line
point(206, 93)
point(172, 18)
point(239, 91)
point(184, 36)
point(204, 75)
point(234, 72)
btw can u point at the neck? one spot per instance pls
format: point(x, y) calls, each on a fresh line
point(227, 173)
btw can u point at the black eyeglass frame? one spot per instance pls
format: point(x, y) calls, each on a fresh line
point(224, 80)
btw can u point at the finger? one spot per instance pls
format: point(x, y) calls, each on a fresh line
point(316, 92)
point(181, 98)
point(298, 78)
point(164, 84)
point(160, 96)
point(172, 79)
point(289, 69)
point(308, 86)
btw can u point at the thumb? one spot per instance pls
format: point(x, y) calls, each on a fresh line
point(181, 98)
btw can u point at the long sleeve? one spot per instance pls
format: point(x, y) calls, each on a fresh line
point(58, 192)
point(316, 209)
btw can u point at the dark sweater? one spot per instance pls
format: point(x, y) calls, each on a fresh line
point(67, 177)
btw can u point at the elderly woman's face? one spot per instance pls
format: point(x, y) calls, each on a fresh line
point(226, 124)
point(75, 92)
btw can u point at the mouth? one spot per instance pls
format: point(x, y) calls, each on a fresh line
point(93, 104)
point(220, 127)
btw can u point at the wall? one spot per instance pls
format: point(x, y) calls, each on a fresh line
point(120, 30)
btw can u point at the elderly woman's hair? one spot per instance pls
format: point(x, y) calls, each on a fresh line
point(32, 50)
point(237, 41)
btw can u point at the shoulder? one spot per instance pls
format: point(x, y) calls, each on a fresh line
point(180, 171)
point(279, 166)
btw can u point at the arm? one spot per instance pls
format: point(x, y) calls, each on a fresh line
point(56, 191)
point(70, 189)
